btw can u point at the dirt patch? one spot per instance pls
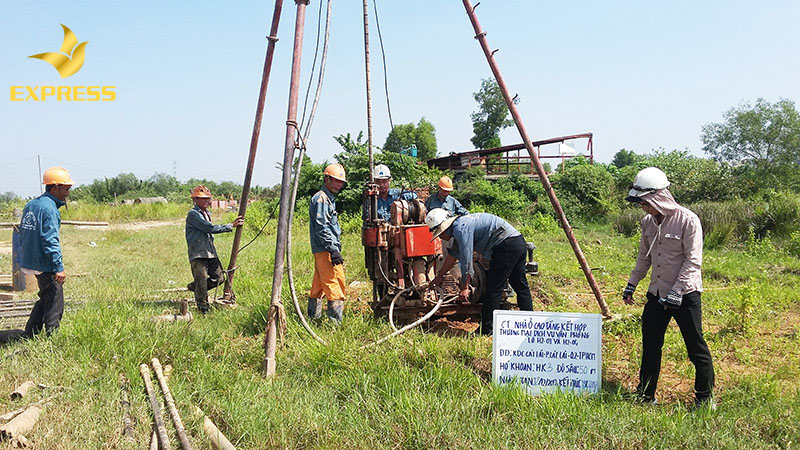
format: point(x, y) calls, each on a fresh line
point(482, 368)
point(136, 226)
point(453, 327)
point(5, 248)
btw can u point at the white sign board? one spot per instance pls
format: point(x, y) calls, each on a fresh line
point(546, 352)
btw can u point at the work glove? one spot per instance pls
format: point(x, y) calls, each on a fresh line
point(671, 301)
point(628, 291)
point(336, 258)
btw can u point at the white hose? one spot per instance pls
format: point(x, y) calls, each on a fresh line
point(409, 326)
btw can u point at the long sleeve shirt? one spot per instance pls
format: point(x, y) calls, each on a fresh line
point(450, 204)
point(39, 235)
point(199, 234)
point(479, 232)
point(672, 249)
point(385, 204)
point(323, 224)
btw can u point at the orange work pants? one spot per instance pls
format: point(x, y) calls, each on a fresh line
point(328, 279)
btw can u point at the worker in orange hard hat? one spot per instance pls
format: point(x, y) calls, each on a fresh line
point(206, 267)
point(326, 245)
point(41, 250)
point(443, 199)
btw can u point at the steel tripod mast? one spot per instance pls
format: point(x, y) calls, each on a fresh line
point(276, 311)
point(480, 35)
point(251, 159)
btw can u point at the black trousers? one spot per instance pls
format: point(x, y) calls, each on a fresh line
point(49, 309)
point(507, 265)
point(207, 273)
point(654, 325)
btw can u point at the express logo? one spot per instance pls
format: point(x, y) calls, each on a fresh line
point(70, 60)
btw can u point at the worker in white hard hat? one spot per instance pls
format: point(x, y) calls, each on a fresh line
point(387, 196)
point(443, 199)
point(206, 266)
point(496, 241)
point(41, 256)
point(671, 247)
point(326, 245)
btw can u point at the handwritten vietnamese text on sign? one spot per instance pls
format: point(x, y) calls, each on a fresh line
point(546, 352)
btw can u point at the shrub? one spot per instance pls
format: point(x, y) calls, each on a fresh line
point(793, 244)
point(586, 192)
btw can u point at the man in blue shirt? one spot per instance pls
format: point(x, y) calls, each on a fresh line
point(326, 245)
point(41, 251)
point(497, 241)
point(206, 267)
point(386, 196)
point(443, 199)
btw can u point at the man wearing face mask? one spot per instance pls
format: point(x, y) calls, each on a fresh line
point(672, 246)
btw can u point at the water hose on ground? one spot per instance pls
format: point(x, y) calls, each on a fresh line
point(423, 319)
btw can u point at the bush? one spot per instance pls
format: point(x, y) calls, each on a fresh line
point(586, 192)
point(628, 222)
point(793, 244)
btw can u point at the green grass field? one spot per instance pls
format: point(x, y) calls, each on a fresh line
point(421, 391)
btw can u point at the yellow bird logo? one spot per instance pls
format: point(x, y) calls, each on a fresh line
point(70, 60)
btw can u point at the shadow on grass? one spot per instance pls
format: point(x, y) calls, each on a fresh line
point(9, 336)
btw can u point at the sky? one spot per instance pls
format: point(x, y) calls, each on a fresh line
point(639, 75)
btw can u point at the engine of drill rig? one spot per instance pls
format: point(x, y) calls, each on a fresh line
point(401, 254)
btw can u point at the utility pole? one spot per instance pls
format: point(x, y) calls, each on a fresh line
point(39, 160)
point(227, 292)
point(276, 312)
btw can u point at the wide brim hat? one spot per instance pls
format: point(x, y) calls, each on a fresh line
point(443, 227)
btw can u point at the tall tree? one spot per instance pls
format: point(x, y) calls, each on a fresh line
point(765, 135)
point(423, 135)
point(624, 158)
point(492, 115)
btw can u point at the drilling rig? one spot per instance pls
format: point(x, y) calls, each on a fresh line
point(402, 256)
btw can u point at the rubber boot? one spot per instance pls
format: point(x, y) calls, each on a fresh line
point(314, 308)
point(336, 310)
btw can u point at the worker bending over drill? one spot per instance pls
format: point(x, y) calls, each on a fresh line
point(498, 242)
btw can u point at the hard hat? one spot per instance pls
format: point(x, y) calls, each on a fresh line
point(648, 180)
point(446, 184)
point(57, 175)
point(381, 172)
point(201, 191)
point(335, 171)
point(439, 220)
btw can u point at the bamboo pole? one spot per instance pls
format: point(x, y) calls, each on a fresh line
point(22, 389)
point(161, 430)
point(24, 422)
point(218, 440)
point(127, 419)
point(173, 411)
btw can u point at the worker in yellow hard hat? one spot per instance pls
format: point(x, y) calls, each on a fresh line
point(206, 267)
point(326, 245)
point(443, 199)
point(41, 250)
